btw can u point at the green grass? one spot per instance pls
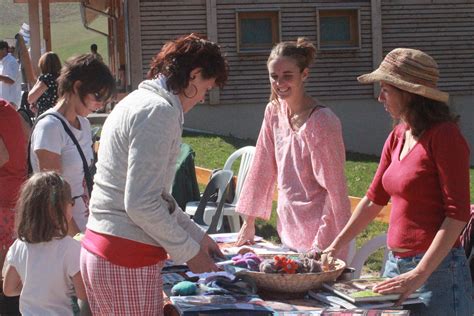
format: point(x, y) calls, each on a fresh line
point(69, 37)
point(212, 151)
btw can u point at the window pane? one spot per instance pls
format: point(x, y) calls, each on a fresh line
point(256, 31)
point(335, 28)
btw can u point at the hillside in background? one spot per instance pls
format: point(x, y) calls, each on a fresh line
point(69, 37)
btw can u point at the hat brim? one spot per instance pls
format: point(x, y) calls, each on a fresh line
point(430, 93)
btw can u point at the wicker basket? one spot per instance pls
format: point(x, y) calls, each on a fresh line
point(293, 283)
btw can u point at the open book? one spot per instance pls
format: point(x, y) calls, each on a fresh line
point(360, 290)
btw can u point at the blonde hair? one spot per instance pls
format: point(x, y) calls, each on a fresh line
point(303, 52)
point(41, 208)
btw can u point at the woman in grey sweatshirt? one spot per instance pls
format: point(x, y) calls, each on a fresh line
point(134, 222)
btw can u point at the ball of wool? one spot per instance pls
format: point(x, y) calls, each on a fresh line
point(252, 264)
point(312, 266)
point(268, 266)
point(184, 288)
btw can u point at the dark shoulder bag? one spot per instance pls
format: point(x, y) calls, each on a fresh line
point(87, 173)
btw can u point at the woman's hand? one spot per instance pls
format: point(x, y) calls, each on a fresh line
point(210, 247)
point(247, 232)
point(34, 108)
point(404, 284)
point(201, 263)
point(328, 255)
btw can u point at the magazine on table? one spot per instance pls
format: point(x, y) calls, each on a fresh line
point(230, 237)
point(360, 290)
point(219, 304)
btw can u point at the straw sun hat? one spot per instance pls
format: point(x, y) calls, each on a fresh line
point(410, 70)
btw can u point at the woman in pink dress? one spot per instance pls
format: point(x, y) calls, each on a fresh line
point(300, 148)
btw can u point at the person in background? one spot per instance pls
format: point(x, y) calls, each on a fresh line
point(43, 263)
point(44, 93)
point(10, 78)
point(96, 53)
point(85, 84)
point(134, 221)
point(424, 170)
point(14, 134)
point(300, 147)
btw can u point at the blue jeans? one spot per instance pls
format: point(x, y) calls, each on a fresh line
point(448, 290)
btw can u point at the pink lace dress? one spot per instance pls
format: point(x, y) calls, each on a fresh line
point(308, 167)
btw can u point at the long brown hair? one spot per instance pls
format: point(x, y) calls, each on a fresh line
point(179, 57)
point(421, 113)
point(41, 208)
point(49, 63)
point(303, 52)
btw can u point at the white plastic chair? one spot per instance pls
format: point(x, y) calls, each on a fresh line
point(246, 154)
point(209, 214)
point(370, 246)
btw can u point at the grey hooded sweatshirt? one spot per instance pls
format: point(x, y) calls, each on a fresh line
point(139, 146)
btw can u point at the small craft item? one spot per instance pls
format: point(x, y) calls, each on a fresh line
point(327, 262)
point(248, 261)
point(311, 262)
point(280, 264)
point(184, 288)
point(306, 263)
point(244, 250)
point(218, 285)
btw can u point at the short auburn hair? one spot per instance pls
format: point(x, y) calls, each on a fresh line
point(179, 57)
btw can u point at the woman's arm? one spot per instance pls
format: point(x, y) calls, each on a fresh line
point(48, 160)
point(37, 91)
point(79, 286)
point(409, 282)
point(256, 197)
point(12, 282)
point(364, 213)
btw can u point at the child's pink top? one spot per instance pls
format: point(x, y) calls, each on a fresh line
point(308, 166)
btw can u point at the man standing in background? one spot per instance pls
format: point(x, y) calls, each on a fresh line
point(95, 53)
point(10, 79)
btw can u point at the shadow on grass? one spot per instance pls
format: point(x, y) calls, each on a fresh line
point(267, 231)
point(234, 141)
point(353, 156)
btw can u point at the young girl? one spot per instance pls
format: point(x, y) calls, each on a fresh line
point(43, 263)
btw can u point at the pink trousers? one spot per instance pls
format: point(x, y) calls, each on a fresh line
point(117, 290)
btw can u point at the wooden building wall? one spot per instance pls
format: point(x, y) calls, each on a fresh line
point(332, 76)
point(161, 21)
point(444, 29)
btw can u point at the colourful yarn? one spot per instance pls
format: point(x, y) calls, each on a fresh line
point(248, 261)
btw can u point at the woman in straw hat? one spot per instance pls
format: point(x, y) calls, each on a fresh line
point(424, 170)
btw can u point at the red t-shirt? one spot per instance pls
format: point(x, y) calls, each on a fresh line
point(429, 184)
point(13, 173)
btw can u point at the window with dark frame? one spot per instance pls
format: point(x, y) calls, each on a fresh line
point(338, 29)
point(257, 31)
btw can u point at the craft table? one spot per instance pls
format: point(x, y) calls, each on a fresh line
point(280, 304)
